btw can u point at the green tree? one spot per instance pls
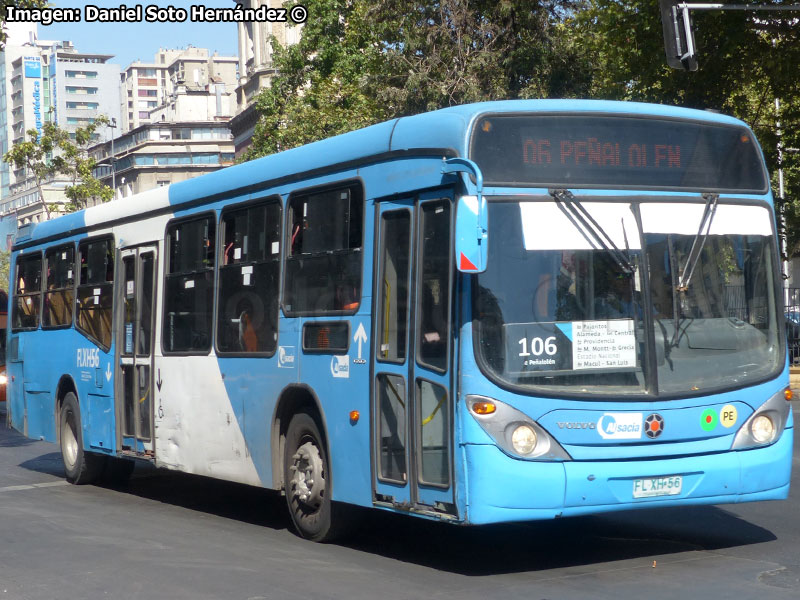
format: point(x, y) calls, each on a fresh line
point(746, 61)
point(16, 4)
point(5, 265)
point(361, 62)
point(54, 152)
point(321, 89)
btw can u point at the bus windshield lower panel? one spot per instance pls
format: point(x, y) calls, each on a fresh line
point(558, 312)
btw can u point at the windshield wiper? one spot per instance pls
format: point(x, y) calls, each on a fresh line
point(578, 212)
point(698, 242)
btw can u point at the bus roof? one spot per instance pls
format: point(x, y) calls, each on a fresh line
point(445, 131)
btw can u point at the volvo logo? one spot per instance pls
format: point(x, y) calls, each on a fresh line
point(576, 425)
point(654, 425)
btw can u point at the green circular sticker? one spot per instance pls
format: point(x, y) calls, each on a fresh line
point(709, 419)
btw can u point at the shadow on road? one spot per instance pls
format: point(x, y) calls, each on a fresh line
point(477, 551)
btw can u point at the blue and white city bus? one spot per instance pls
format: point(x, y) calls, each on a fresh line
point(497, 312)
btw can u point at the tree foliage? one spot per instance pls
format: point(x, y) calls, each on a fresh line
point(747, 61)
point(53, 152)
point(361, 62)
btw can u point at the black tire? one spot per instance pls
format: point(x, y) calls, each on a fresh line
point(118, 471)
point(307, 476)
point(81, 467)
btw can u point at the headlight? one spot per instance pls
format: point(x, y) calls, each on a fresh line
point(762, 429)
point(765, 425)
point(523, 439)
point(3, 379)
point(514, 432)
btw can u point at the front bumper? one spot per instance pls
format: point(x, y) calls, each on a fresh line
point(503, 489)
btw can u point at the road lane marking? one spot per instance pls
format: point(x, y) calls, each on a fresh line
point(14, 488)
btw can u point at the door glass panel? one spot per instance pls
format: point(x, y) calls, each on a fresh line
point(129, 269)
point(393, 308)
point(434, 282)
point(143, 401)
point(129, 385)
point(391, 391)
point(433, 434)
point(146, 305)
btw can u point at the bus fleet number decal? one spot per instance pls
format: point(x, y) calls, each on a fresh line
point(88, 358)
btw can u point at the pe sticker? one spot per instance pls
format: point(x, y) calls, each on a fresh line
point(728, 415)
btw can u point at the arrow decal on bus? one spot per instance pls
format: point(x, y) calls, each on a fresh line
point(360, 338)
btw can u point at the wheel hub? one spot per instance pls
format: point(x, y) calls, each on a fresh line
point(69, 442)
point(307, 484)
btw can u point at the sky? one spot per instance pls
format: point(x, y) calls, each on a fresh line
point(129, 42)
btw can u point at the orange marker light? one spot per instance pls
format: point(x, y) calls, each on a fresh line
point(484, 408)
point(788, 394)
point(354, 416)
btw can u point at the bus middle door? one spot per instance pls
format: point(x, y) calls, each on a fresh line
point(135, 344)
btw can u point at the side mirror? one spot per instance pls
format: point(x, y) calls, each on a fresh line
point(472, 234)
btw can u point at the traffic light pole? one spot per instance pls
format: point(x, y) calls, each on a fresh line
point(678, 35)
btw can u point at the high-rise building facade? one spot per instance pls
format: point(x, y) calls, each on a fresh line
point(146, 87)
point(256, 68)
point(47, 81)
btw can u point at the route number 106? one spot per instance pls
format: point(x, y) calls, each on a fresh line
point(539, 346)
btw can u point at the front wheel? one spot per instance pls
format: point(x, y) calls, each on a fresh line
point(308, 482)
point(81, 467)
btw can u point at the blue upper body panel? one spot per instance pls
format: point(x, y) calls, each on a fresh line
point(447, 129)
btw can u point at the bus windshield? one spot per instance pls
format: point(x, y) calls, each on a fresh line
point(556, 313)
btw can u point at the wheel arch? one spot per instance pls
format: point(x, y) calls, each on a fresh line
point(65, 385)
point(293, 399)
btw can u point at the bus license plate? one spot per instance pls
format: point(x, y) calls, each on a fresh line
point(657, 486)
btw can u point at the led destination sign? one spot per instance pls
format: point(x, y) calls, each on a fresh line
point(617, 152)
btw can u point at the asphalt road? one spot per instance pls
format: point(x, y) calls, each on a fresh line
point(174, 536)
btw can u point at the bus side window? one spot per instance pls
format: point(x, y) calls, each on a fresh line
point(60, 279)
point(27, 295)
point(189, 285)
point(323, 265)
point(249, 276)
point(95, 290)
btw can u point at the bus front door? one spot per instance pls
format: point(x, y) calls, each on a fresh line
point(135, 349)
point(412, 453)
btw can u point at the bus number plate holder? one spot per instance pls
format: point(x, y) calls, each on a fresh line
point(650, 487)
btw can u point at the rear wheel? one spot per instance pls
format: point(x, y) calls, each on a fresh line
point(308, 482)
point(81, 467)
